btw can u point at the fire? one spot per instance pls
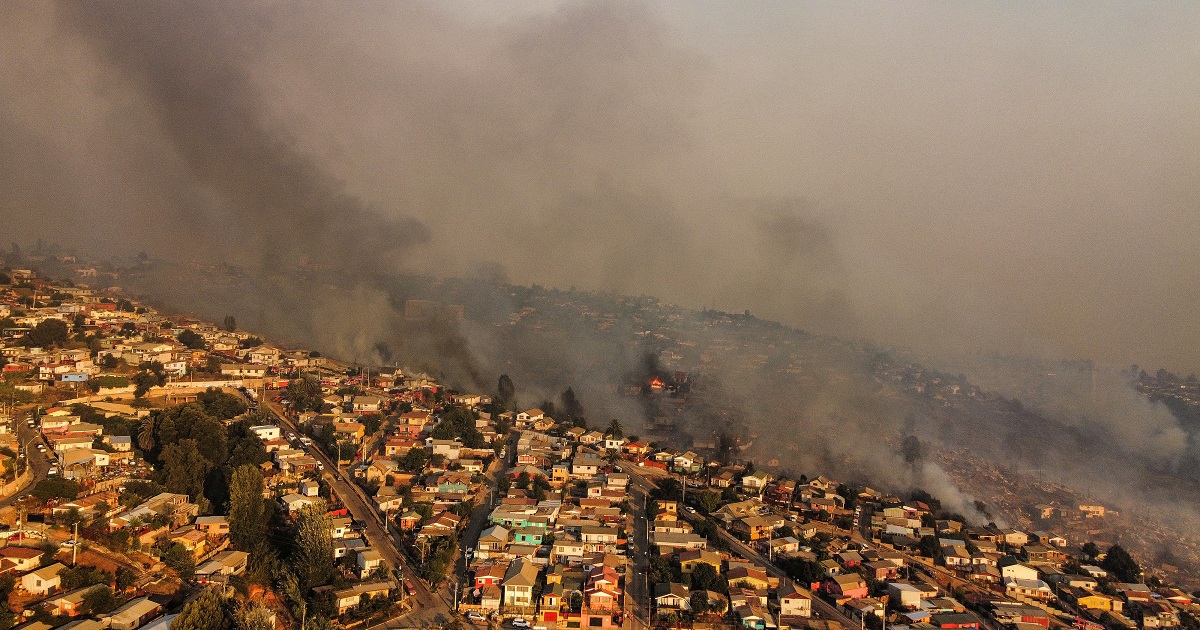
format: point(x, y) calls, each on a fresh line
point(656, 383)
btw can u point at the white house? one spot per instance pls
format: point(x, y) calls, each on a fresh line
point(794, 601)
point(266, 432)
point(43, 581)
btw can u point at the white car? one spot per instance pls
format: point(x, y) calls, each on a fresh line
point(476, 617)
point(519, 622)
point(70, 543)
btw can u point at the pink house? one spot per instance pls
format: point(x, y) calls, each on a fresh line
point(849, 586)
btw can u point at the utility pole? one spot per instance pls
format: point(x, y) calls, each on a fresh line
point(75, 545)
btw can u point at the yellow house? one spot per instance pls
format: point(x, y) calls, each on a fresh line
point(352, 431)
point(192, 539)
point(689, 559)
point(1099, 602)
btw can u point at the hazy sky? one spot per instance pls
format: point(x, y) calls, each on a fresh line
point(965, 175)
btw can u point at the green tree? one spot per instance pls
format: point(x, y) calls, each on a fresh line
point(221, 405)
point(184, 468)
point(143, 381)
point(1121, 565)
point(254, 616)
point(247, 508)
point(708, 501)
point(100, 600)
point(314, 546)
point(48, 333)
point(190, 339)
point(615, 429)
point(699, 602)
point(205, 612)
point(305, 393)
point(230, 323)
point(56, 488)
point(180, 559)
point(8, 583)
point(705, 577)
point(413, 461)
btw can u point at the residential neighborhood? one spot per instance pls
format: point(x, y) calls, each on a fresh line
point(157, 467)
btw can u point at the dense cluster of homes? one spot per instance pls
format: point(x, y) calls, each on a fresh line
point(869, 563)
point(559, 555)
point(167, 518)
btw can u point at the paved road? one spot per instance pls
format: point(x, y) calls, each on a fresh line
point(637, 585)
point(29, 438)
point(377, 533)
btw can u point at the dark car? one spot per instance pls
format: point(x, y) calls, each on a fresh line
point(409, 588)
point(358, 525)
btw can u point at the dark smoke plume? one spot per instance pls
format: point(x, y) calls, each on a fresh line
point(188, 62)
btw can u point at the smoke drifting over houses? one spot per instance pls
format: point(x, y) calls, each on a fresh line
point(953, 178)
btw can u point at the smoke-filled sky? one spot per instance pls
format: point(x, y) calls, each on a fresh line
point(1010, 176)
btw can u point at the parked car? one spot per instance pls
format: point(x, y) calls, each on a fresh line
point(70, 543)
point(520, 622)
point(409, 588)
point(476, 617)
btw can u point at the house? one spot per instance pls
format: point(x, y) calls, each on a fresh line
point(1025, 589)
point(214, 527)
point(134, 614)
point(70, 603)
point(222, 565)
point(748, 577)
point(1012, 614)
point(845, 586)
point(293, 503)
point(266, 432)
point(671, 597)
point(347, 598)
point(120, 443)
point(585, 467)
point(345, 546)
point(753, 527)
point(756, 481)
point(794, 601)
point(365, 404)
point(529, 416)
point(668, 541)
point(192, 539)
point(519, 583)
point(689, 559)
point(243, 370)
point(367, 562)
point(754, 616)
point(1010, 568)
point(860, 608)
point(492, 540)
point(529, 535)
point(882, 570)
point(44, 580)
point(490, 574)
point(349, 432)
point(20, 559)
point(953, 620)
point(490, 598)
